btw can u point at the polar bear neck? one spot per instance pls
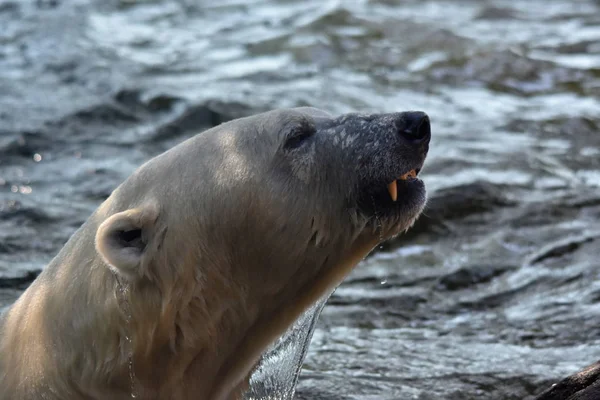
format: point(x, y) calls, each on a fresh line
point(34, 334)
point(171, 360)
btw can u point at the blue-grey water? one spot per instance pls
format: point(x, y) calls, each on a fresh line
point(493, 295)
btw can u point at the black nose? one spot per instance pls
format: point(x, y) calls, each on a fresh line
point(414, 126)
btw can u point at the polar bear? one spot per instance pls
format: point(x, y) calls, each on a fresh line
point(179, 281)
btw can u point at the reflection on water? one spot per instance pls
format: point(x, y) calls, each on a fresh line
point(462, 306)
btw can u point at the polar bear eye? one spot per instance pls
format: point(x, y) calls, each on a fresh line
point(298, 136)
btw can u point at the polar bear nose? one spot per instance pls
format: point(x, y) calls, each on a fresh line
point(414, 126)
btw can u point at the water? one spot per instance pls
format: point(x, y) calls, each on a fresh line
point(492, 295)
point(277, 373)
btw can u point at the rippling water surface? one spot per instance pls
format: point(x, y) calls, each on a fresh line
point(493, 295)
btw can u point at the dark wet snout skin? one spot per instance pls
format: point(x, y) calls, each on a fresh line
point(381, 148)
point(386, 146)
point(414, 127)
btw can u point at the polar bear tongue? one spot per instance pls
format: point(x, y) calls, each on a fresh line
point(393, 187)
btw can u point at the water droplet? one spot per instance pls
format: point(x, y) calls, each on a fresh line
point(379, 225)
point(132, 376)
point(122, 291)
point(37, 157)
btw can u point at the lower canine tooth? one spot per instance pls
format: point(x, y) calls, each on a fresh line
point(393, 189)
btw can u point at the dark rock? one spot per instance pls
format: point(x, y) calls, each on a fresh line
point(461, 201)
point(455, 203)
point(583, 385)
point(494, 387)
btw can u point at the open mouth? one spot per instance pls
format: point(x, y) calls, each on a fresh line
point(407, 177)
point(397, 198)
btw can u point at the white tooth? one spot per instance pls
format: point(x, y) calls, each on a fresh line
point(393, 189)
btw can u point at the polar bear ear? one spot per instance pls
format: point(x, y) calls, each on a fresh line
point(122, 239)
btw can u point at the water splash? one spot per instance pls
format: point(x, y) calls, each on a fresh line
point(278, 370)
